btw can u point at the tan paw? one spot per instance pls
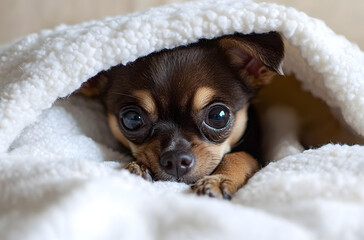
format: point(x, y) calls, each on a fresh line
point(218, 186)
point(139, 169)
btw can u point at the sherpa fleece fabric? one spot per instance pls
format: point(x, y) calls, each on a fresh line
point(60, 173)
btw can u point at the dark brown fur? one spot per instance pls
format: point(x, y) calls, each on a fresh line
point(174, 90)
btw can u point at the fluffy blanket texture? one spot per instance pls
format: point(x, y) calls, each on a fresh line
point(60, 173)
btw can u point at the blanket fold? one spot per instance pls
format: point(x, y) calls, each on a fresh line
point(60, 171)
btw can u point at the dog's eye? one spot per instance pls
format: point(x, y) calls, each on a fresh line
point(131, 119)
point(218, 117)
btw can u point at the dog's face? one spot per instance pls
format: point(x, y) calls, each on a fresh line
point(179, 111)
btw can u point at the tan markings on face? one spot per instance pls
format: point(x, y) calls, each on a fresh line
point(203, 96)
point(241, 118)
point(146, 101)
point(115, 129)
point(208, 156)
point(147, 154)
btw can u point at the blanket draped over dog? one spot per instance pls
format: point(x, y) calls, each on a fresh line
point(60, 171)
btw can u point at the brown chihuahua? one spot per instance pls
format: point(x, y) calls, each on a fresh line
point(184, 113)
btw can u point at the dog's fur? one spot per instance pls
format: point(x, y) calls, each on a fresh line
point(190, 107)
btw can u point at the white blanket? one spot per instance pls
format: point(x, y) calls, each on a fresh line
point(60, 173)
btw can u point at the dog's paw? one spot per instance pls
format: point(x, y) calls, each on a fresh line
point(218, 186)
point(140, 170)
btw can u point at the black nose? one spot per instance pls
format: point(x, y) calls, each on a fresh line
point(177, 163)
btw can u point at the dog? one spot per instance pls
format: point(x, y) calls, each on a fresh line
point(185, 113)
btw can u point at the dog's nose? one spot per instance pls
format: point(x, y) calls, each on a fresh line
point(177, 163)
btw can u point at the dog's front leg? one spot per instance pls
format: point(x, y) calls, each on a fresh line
point(232, 173)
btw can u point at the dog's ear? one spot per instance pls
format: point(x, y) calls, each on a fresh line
point(95, 86)
point(256, 57)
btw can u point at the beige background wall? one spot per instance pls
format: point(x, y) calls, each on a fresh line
point(20, 17)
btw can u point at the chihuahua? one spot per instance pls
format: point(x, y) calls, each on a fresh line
point(184, 113)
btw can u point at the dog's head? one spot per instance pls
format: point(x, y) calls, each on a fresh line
point(179, 111)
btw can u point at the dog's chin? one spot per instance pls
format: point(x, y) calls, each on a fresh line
point(188, 179)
